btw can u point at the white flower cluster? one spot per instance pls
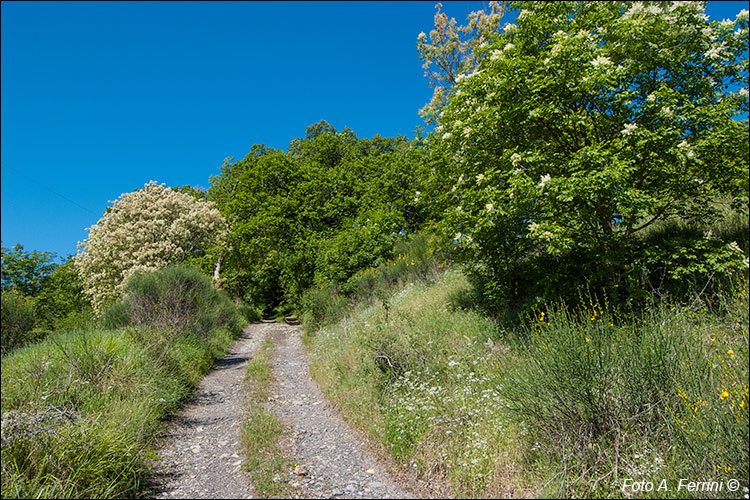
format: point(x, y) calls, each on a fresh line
point(144, 230)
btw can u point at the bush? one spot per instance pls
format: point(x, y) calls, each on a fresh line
point(598, 390)
point(17, 321)
point(177, 298)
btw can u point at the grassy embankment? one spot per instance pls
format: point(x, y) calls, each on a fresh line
point(80, 409)
point(569, 403)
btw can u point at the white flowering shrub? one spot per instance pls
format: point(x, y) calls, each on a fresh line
point(580, 126)
point(144, 230)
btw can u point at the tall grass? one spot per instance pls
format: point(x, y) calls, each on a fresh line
point(80, 409)
point(570, 403)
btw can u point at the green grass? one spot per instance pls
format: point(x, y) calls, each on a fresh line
point(568, 404)
point(80, 410)
point(261, 431)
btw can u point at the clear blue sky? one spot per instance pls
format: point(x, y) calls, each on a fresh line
point(99, 98)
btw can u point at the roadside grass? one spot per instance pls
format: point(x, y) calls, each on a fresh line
point(418, 377)
point(568, 404)
point(80, 409)
point(261, 430)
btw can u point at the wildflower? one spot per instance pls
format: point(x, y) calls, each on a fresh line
point(724, 395)
point(515, 159)
point(714, 52)
point(588, 339)
point(731, 353)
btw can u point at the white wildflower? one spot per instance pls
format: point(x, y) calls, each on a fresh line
point(515, 159)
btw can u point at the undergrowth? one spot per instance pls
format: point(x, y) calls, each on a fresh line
point(80, 409)
point(571, 403)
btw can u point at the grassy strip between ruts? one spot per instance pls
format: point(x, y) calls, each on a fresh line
point(261, 430)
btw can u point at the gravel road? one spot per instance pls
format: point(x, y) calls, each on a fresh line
point(201, 455)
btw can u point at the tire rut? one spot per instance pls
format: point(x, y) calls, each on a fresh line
point(332, 461)
point(201, 455)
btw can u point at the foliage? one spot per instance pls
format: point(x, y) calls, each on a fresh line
point(583, 125)
point(664, 392)
point(24, 271)
point(144, 230)
point(290, 213)
point(177, 298)
point(17, 321)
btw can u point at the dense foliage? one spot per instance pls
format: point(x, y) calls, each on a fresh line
point(584, 126)
point(319, 212)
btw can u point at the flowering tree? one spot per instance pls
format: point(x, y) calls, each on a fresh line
point(144, 230)
point(586, 122)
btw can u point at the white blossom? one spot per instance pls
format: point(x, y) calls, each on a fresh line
point(629, 128)
point(545, 179)
point(601, 60)
point(489, 207)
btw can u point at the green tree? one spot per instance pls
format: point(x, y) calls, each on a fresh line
point(26, 271)
point(287, 210)
point(582, 125)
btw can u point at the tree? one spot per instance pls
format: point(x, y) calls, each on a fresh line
point(144, 230)
point(586, 123)
point(26, 272)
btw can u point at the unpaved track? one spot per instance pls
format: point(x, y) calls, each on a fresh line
point(335, 463)
point(201, 455)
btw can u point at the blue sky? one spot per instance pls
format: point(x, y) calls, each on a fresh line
point(99, 98)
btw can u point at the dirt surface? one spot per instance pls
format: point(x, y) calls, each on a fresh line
point(332, 462)
point(201, 456)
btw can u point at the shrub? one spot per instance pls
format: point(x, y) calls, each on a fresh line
point(17, 320)
point(177, 298)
